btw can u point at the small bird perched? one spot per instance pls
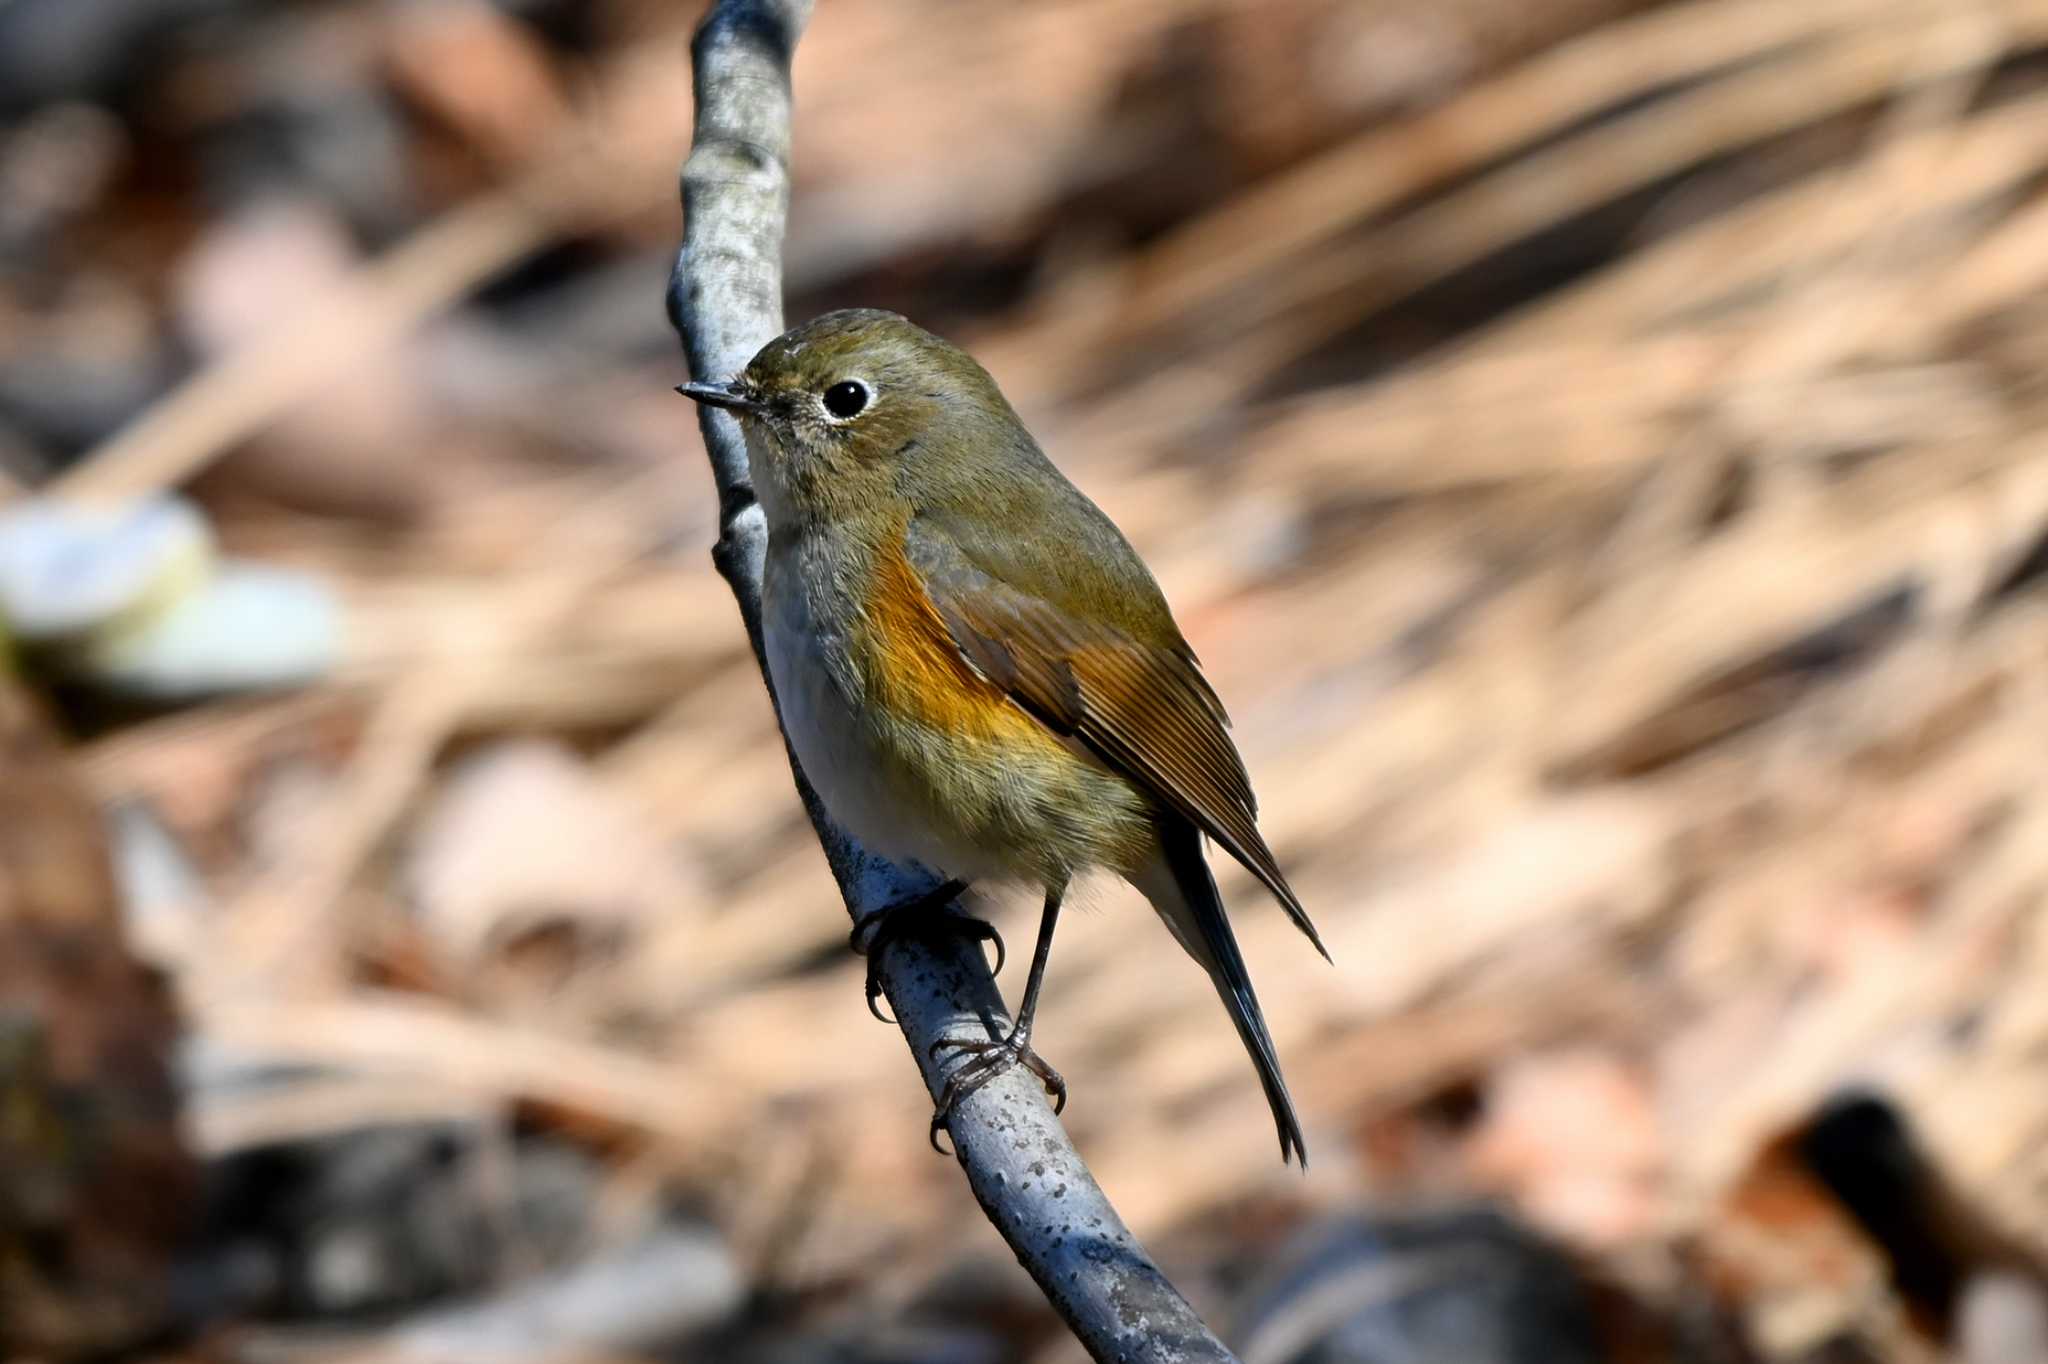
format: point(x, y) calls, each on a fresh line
point(975, 669)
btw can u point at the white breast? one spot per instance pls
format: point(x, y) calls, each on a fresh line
point(831, 745)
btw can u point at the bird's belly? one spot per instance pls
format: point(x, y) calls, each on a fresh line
point(965, 800)
point(824, 730)
point(842, 755)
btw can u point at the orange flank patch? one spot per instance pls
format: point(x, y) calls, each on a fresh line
point(919, 673)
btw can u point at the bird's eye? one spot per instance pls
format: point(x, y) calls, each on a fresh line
point(846, 398)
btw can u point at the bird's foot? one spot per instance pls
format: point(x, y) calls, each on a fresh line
point(916, 917)
point(992, 1056)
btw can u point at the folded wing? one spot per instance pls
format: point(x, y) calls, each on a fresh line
point(1144, 708)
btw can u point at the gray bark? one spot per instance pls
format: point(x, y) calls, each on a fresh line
point(725, 300)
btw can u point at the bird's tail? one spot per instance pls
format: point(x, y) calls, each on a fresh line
point(1182, 890)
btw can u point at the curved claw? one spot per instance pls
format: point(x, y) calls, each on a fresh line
point(939, 1124)
point(985, 931)
point(876, 929)
point(875, 991)
point(864, 941)
point(993, 1057)
point(1055, 1083)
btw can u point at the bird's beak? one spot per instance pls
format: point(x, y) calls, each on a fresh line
point(728, 395)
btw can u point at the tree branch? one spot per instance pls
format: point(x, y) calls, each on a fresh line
point(725, 300)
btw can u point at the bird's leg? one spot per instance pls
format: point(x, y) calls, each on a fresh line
point(878, 928)
point(993, 1056)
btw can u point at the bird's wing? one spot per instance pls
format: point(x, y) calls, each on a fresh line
point(1145, 710)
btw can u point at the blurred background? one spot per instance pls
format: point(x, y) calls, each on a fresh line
point(1593, 444)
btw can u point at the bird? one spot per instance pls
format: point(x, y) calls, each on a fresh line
point(975, 670)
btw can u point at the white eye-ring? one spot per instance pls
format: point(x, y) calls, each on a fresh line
point(847, 399)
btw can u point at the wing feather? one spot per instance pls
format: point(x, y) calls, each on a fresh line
point(1147, 711)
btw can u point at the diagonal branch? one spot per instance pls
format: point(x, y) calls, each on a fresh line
point(725, 300)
